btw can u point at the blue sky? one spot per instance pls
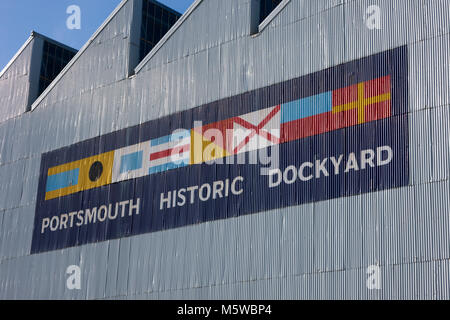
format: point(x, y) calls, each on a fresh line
point(48, 17)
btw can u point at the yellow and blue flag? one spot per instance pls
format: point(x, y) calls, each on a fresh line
point(79, 175)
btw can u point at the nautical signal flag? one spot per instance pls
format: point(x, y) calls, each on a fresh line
point(79, 175)
point(249, 132)
point(257, 130)
point(357, 104)
point(131, 162)
point(170, 152)
point(209, 142)
point(363, 102)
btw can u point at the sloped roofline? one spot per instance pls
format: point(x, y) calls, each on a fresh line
point(13, 59)
point(158, 46)
point(77, 56)
point(53, 41)
point(166, 37)
point(183, 18)
point(33, 35)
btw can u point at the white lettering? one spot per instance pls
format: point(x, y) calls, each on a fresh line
point(390, 156)
point(123, 204)
point(352, 163)
point(217, 189)
point(63, 221)
point(182, 197)
point(116, 212)
point(80, 218)
point(135, 206)
point(208, 192)
point(90, 215)
point(233, 186)
point(45, 224)
point(336, 163)
point(272, 173)
point(54, 228)
point(302, 168)
point(165, 200)
point(320, 167)
point(293, 171)
point(367, 157)
point(72, 215)
point(192, 192)
point(102, 213)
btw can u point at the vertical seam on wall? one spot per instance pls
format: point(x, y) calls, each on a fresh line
point(107, 269)
point(345, 39)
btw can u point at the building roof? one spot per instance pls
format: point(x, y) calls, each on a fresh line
point(168, 35)
point(77, 56)
point(140, 66)
point(33, 35)
point(13, 59)
point(99, 30)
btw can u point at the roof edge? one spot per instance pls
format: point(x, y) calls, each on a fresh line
point(272, 15)
point(18, 53)
point(53, 41)
point(166, 37)
point(166, 7)
point(77, 56)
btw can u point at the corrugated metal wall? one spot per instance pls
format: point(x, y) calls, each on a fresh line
point(19, 81)
point(318, 250)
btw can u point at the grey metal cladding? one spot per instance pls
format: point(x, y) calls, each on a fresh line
point(312, 251)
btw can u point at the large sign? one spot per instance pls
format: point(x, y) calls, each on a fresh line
point(338, 132)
